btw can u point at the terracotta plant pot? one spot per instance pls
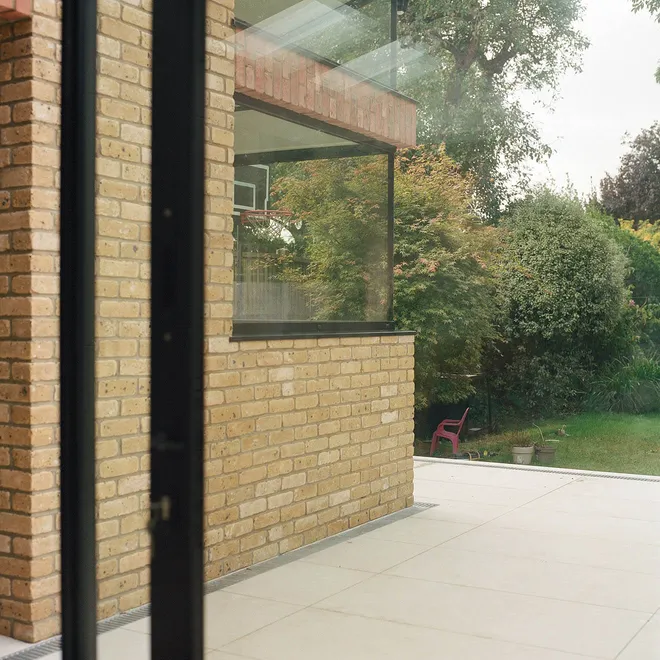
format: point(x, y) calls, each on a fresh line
point(523, 455)
point(546, 454)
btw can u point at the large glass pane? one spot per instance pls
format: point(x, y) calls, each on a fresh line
point(310, 218)
point(351, 33)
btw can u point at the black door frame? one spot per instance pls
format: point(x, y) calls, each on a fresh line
point(77, 356)
point(177, 329)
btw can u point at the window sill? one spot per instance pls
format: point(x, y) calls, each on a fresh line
point(272, 331)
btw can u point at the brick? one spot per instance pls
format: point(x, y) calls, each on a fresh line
point(275, 428)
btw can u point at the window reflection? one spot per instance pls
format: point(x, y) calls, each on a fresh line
point(311, 224)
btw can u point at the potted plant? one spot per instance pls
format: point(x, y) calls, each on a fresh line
point(523, 448)
point(523, 453)
point(545, 453)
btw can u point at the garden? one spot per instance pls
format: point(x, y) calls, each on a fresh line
point(536, 305)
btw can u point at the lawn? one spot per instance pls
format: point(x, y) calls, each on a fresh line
point(593, 441)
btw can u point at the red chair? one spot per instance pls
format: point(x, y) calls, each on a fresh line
point(442, 432)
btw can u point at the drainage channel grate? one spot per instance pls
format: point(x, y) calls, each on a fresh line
point(35, 652)
point(43, 649)
point(424, 505)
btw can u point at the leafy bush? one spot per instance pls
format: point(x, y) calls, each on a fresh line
point(629, 386)
point(564, 304)
point(643, 269)
point(548, 383)
point(562, 279)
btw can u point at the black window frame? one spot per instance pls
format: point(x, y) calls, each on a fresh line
point(365, 145)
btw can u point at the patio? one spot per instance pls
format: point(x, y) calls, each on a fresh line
point(509, 563)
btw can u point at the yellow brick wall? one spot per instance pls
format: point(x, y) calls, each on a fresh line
point(29, 161)
point(122, 250)
point(314, 437)
point(304, 438)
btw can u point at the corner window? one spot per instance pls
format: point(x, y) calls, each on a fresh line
point(312, 227)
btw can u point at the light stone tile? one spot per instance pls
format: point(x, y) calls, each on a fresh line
point(646, 645)
point(366, 554)
point(420, 532)
point(475, 513)
point(527, 620)
point(535, 577)
point(595, 526)
point(321, 635)
point(621, 489)
point(618, 554)
point(299, 583)
point(120, 644)
point(441, 491)
point(483, 475)
point(221, 655)
point(9, 645)
point(230, 616)
point(566, 501)
point(141, 625)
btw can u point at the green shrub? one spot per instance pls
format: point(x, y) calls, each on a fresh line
point(629, 386)
point(544, 384)
point(564, 303)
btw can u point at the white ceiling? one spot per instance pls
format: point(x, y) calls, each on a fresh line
point(283, 10)
point(257, 132)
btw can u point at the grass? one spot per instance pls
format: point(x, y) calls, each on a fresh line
point(606, 442)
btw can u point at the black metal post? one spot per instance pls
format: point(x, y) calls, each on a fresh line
point(77, 233)
point(177, 329)
point(391, 164)
point(391, 159)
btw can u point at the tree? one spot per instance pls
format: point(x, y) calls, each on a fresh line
point(634, 193)
point(443, 288)
point(652, 6)
point(643, 270)
point(563, 303)
point(484, 54)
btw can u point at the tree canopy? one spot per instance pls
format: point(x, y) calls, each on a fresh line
point(562, 300)
point(442, 287)
point(484, 54)
point(652, 6)
point(634, 192)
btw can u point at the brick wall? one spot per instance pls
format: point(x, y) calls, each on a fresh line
point(315, 437)
point(29, 158)
point(122, 249)
point(303, 438)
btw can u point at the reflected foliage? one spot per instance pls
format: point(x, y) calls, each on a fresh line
point(332, 248)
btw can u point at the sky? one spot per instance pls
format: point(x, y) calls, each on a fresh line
point(615, 93)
